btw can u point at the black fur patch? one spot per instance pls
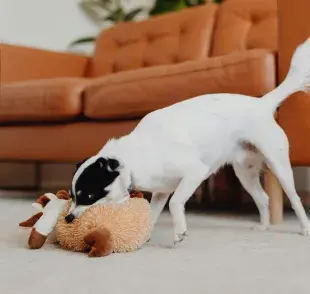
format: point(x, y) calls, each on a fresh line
point(91, 184)
point(79, 164)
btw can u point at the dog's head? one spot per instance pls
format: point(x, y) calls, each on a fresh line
point(98, 180)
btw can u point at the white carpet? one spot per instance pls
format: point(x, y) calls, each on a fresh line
point(221, 255)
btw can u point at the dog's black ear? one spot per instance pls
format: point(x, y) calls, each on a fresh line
point(110, 164)
point(113, 164)
point(80, 163)
point(102, 162)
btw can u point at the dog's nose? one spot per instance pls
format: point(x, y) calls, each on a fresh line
point(69, 218)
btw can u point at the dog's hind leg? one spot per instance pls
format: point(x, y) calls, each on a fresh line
point(275, 148)
point(248, 173)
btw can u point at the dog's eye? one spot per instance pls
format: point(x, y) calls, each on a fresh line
point(79, 193)
point(91, 196)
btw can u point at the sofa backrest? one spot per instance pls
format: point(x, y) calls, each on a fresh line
point(161, 40)
point(245, 24)
point(194, 33)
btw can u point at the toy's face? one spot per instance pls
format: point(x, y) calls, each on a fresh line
point(96, 181)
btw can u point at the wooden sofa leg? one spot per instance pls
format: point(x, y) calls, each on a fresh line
point(275, 192)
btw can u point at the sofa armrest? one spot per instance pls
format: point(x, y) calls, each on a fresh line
point(135, 93)
point(20, 63)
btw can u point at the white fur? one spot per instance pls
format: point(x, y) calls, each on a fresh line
point(174, 149)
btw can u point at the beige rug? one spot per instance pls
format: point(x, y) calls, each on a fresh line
point(221, 255)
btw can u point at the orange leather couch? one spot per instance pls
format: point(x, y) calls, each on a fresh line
point(63, 107)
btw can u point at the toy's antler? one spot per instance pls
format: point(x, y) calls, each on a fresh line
point(63, 194)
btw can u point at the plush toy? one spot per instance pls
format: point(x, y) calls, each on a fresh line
point(100, 230)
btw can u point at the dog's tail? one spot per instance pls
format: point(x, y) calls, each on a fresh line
point(297, 79)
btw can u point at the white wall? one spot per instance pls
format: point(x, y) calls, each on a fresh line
point(43, 23)
point(49, 24)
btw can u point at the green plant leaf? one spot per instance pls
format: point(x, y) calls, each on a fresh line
point(83, 41)
point(90, 11)
point(116, 16)
point(163, 6)
point(132, 14)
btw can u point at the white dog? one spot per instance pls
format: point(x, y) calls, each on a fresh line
point(174, 149)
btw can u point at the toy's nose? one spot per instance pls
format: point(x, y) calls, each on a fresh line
point(69, 218)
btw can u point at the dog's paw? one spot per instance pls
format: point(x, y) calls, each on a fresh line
point(305, 232)
point(260, 228)
point(180, 238)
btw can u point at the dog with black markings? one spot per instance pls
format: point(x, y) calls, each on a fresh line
point(174, 149)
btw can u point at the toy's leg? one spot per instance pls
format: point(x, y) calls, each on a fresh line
point(36, 240)
point(31, 221)
point(47, 222)
point(158, 203)
point(248, 176)
point(100, 241)
point(186, 188)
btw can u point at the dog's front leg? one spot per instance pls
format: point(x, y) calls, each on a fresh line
point(186, 188)
point(158, 203)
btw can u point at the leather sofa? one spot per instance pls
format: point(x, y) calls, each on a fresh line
point(61, 107)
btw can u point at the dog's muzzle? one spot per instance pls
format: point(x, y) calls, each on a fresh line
point(69, 218)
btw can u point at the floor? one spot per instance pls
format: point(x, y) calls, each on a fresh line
point(221, 255)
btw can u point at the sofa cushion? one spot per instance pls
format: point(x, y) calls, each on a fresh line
point(135, 93)
point(243, 25)
point(41, 100)
point(165, 39)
